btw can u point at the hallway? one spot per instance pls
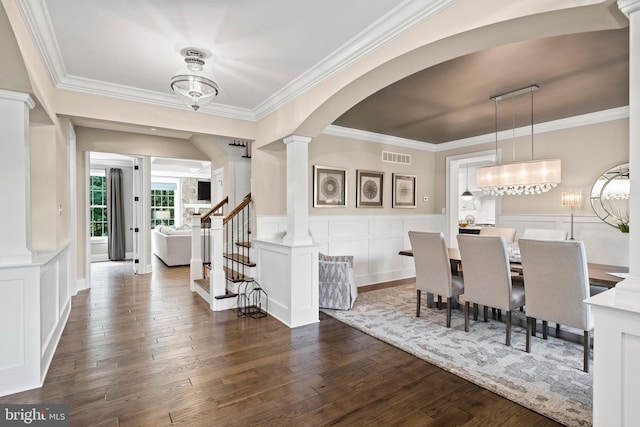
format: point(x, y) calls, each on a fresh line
point(142, 350)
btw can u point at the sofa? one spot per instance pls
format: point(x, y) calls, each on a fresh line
point(173, 245)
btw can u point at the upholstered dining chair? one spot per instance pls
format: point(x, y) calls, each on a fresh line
point(487, 277)
point(544, 234)
point(508, 233)
point(557, 282)
point(433, 270)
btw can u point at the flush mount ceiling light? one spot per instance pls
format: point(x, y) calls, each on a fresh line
point(529, 177)
point(190, 83)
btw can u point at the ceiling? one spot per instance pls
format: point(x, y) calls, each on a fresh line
point(262, 53)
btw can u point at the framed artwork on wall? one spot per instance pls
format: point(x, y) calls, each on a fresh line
point(404, 191)
point(369, 189)
point(329, 187)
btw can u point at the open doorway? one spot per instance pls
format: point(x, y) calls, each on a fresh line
point(166, 194)
point(480, 210)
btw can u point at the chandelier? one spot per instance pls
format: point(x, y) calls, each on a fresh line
point(527, 177)
point(190, 84)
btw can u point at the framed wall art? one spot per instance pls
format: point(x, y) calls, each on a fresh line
point(404, 191)
point(329, 187)
point(369, 189)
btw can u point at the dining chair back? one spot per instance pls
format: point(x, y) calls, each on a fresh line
point(487, 277)
point(544, 234)
point(557, 283)
point(433, 271)
point(508, 233)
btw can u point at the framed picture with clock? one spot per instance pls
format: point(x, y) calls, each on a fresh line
point(369, 189)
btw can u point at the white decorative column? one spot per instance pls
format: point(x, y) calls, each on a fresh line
point(287, 268)
point(297, 190)
point(15, 177)
point(217, 278)
point(616, 373)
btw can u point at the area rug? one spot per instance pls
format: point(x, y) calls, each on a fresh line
point(549, 380)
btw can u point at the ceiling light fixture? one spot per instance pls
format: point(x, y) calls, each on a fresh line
point(530, 177)
point(190, 84)
point(466, 194)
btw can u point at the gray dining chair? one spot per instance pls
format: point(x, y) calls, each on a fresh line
point(433, 270)
point(508, 233)
point(557, 283)
point(544, 234)
point(487, 277)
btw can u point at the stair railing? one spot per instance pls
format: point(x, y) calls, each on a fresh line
point(237, 232)
point(205, 221)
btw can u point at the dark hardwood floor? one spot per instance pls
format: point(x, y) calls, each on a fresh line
point(144, 351)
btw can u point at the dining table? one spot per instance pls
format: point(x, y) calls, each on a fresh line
point(599, 274)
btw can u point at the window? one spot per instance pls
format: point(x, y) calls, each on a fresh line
point(98, 204)
point(163, 203)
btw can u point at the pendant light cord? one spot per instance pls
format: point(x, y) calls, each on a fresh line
point(532, 156)
point(495, 102)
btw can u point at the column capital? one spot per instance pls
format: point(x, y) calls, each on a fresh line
point(296, 138)
point(628, 6)
point(10, 95)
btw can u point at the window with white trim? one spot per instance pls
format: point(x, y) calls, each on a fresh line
point(98, 204)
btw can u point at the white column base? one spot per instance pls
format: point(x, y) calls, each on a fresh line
point(289, 275)
point(616, 371)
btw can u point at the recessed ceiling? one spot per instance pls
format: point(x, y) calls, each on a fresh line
point(258, 47)
point(577, 74)
point(264, 52)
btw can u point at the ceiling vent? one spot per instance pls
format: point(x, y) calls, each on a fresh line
point(388, 156)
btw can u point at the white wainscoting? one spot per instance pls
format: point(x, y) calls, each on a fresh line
point(603, 243)
point(36, 304)
point(373, 240)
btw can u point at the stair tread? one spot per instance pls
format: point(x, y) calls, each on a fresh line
point(235, 277)
point(243, 244)
point(242, 259)
point(227, 295)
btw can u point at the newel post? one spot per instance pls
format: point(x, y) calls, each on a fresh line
point(217, 280)
point(196, 251)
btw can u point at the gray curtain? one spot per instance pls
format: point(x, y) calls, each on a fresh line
point(115, 215)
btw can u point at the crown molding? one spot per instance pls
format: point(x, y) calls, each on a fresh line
point(627, 7)
point(555, 125)
point(399, 20)
point(379, 138)
point(36, 16)
point(95, 87)
point(10, 95)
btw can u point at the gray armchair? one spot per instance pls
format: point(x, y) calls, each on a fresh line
point(337, 288)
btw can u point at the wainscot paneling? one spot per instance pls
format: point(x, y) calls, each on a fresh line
point(373, 240)
point(36, 302)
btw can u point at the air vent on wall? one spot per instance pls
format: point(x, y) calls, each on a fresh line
point(388, 156)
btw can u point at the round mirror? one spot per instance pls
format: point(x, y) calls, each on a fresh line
point(610, 197)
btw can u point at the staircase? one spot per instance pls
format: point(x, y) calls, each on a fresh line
point(227, 244)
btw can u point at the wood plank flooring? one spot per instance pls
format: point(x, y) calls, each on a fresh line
point(144, 351)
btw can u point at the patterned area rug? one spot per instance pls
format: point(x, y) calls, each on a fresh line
point(549, 380)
